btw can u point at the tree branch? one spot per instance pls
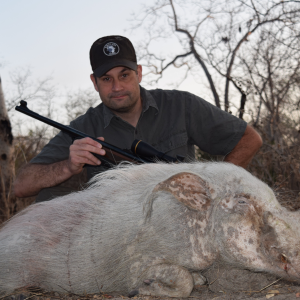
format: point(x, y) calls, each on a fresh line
point(197, 56)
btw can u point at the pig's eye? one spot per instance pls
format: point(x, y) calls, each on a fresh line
point(283, 258)
point(242, 202)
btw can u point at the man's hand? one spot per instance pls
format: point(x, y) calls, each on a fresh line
point(246, 148)
point(34, 177)
point(81, 153)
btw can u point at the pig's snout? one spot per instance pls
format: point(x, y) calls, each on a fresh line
point(279, 241)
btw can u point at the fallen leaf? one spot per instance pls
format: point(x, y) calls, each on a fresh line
point(270, 296)
point(298, 295)
point(273, 292)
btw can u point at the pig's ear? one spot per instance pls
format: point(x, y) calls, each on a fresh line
point(187, 188)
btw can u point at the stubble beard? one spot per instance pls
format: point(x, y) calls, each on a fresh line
point(124, 107)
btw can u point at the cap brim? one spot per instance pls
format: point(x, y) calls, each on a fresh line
point(100, 71)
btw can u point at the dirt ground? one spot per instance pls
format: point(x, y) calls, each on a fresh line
point(276, 291)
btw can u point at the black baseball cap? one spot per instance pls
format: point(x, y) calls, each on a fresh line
point(112, 51)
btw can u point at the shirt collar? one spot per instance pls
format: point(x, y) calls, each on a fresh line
point(147, 101)
point(107, 115)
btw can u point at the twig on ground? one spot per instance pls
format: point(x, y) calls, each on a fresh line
point(270, 284)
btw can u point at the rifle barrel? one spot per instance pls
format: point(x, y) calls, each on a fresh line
point(111, 150)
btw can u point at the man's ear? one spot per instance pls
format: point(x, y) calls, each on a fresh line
point(139, 72)
point(92, 76)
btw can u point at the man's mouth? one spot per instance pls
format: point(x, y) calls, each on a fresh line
point(118, 96)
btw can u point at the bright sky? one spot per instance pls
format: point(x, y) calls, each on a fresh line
point(54, 37)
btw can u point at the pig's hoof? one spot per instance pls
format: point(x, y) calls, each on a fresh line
point(199, 279)
point(133, 293)
point(149, 281)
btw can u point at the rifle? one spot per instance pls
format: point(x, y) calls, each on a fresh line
point(141, 151)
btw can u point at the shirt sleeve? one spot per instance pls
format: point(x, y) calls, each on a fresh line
point(56, 150)
point(58, 147)
point(210, 128)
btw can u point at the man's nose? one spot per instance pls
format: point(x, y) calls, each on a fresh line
point(117, 86)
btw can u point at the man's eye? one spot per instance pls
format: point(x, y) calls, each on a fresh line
point(125, 75)
point(105, 78)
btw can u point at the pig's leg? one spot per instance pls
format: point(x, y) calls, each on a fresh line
point(165, 280)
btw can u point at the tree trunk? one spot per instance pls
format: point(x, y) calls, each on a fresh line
point(7, 170)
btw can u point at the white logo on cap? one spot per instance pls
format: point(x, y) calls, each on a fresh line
point(111, 49)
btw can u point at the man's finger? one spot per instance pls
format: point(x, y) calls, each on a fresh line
point(84, 157)
point(88, 145)
point(88, 141)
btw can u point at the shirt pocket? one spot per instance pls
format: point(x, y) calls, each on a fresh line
point(172, 142)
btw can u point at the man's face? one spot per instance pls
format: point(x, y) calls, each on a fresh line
point(119, 88)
